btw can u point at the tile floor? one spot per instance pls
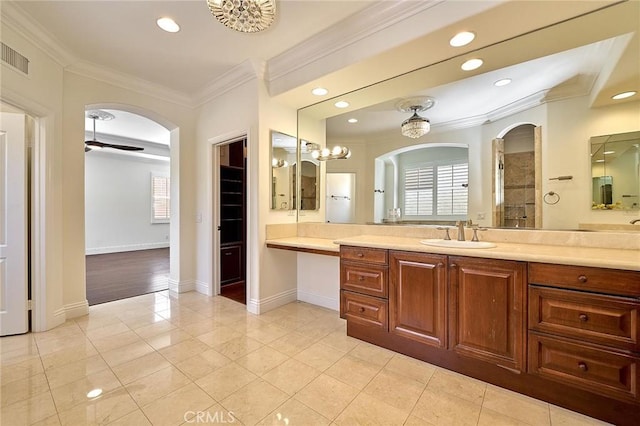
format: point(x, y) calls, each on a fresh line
point(195, 360)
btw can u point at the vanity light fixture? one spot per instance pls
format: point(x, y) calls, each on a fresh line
point(277, 163)
point(502, 82)
point(336, 153)
point(462, 39)
point(246, 16)
point(352, 120)
point(168, 24)
point(624, 95)
point(472, 64)
point(609, 152)
point(341, 104)
point(415, 126)
point(319, 91)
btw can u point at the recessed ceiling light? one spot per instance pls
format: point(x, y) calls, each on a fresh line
point(168, 24)
point(462, 39)
point(94, 393)
point(623, 95)
point(472, 64)
point(341, 104)
point(502, 82)
point(609, 152)
point(319, 91)
point(352, 120)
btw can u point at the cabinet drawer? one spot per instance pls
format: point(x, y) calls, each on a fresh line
point(591, 317)
point(364, 278)
point(362, 254)
point(608, 373)
point(363, 309)
point(609, 281)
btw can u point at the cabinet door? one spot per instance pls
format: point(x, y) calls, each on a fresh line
point(487, 305)
point(418, 297)
point(230, 264)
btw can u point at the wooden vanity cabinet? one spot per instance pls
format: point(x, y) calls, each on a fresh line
point(584, 328)
point(418, 297)
point(487, 311)
point(364, 286)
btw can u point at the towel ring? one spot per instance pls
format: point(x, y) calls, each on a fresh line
point(551, 197)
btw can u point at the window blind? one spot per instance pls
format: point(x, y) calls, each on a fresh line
point(160, 190)
point(418, 191)
point(452, 189)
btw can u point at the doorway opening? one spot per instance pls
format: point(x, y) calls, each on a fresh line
point(517, 178)
point(127, 205)
point(232, 213)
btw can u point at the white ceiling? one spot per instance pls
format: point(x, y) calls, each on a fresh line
point(123, 36)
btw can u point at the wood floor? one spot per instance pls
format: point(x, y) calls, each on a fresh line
point(236, 291)
point(116, 276)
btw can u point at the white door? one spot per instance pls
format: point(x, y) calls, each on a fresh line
point(13, 225)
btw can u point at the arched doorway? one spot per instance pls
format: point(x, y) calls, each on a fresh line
point(128, 193)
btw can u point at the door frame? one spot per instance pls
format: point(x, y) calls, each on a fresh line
point(213, 286)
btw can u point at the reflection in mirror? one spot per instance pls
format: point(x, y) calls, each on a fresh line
point(425, 184)
point(309, 177)
point(560, 86)
point(615, 171)
point(283, 158)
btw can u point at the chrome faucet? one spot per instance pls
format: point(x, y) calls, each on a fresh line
point(634, 221)
point(460, 225)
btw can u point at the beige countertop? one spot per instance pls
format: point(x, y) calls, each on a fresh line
point(565, 255)
point(321, 244)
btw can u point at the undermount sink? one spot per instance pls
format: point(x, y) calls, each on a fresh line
point(458, 244)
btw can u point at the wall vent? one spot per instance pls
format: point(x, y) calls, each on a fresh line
point(13, 58)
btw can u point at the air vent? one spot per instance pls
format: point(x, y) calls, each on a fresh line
point(13, 58)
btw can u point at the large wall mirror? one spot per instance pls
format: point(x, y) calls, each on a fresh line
point(539, 97)
point(615, 170)
point(283, 162)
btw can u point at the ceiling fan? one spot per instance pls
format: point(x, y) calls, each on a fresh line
point(105, 116)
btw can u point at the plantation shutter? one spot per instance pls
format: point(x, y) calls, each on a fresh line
point(452, 189)
point(160, 198)
point(418, 191)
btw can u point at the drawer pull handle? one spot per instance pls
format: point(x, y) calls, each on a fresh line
point(583, 366)
point(453, 265)
point(582, 278)
point(583, 317)
point(361, 310)
point(360, 255)
point(361, 278)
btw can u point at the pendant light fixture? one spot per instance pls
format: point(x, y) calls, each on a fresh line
point(247, 16)
point(415, 126)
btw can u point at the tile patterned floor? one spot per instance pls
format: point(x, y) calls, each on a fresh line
point(195, 359)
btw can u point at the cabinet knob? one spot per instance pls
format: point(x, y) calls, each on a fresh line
point(583, 366)
point(583, 317)
point(360, 255)
point(453, 265)
point(582, 278)
point(361, 310)
point(361, 278)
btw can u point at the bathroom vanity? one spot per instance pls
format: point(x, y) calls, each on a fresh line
point(564, 333)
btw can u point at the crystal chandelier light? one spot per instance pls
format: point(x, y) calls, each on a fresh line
point(415, 126)
point(247, 16)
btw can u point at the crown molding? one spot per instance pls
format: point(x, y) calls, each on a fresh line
point(129, 82)
point(13, 16)
point(350, 30)
point(237, 76)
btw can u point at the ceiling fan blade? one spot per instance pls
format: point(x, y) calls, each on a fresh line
point(113, 146)
point(87, 149)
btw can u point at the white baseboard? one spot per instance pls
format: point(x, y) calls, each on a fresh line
point(129, 247)
point(268, 303)
point(203, 288)
point(181, 286)
point(319, 300)
point(74, 310)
